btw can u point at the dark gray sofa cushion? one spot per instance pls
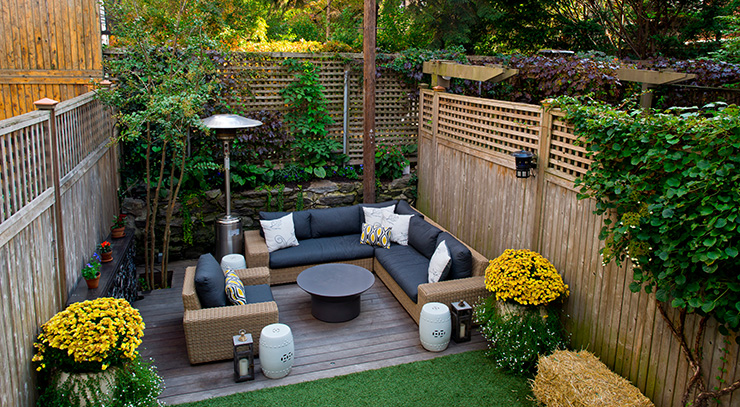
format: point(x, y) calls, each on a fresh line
point(321, 250)
point(258, 293)
point(340, 221)
point(210, 284)
point(423, 236)
point(403, 208)
point(407, 267)
point(301, 222)
point(462, 258)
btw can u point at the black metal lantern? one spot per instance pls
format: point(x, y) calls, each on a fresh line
point(243, 357)
point(524, 162)
point(462, 321)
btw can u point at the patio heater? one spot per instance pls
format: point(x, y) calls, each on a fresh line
point(229, 228)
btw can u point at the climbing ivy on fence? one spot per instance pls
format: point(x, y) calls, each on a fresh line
point(672, 182)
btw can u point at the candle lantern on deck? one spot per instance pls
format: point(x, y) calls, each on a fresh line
point(524, 162)
point(243, 357)
point(462, 321)
point(229, 228)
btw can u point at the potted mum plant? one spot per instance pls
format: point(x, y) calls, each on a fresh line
point(105, 252)
point(91, 271)
point(521, 319)
point(118, 229)
point(97, 365)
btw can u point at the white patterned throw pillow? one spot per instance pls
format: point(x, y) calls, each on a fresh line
point(279, 233)
point(374, 216)
point(399, 225)
point(439, 264)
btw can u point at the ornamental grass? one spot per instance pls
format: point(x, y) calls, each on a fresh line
point(525, 277)
point(90, 336)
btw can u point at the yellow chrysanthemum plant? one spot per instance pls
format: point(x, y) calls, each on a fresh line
point(90, 336)
point(526, 278)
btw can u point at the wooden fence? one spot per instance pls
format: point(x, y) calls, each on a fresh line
point(260, 77)
point(47, 49)
point(32, 285)
point(467, 183)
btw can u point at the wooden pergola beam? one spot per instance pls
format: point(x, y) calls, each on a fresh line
point(650, 79)
point(442, 71)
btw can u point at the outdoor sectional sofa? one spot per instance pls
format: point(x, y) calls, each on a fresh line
point(332, 235)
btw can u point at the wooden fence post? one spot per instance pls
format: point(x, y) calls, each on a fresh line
point(435, 146)
point(543, 161)
point(368, 136)
point(50, 105)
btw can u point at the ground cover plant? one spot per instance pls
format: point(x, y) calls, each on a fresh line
point(670, 180)
point(466, 379)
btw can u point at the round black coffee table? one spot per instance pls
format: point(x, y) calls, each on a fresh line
point(335, 290)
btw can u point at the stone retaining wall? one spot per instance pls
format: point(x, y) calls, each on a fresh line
point(194, 235)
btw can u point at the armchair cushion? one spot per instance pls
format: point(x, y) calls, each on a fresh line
point(210, 284)
point(258, 293)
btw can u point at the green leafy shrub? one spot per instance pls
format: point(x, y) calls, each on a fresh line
point(307, 116)
point(670, 179)
point(517, 339)
point(389, 162)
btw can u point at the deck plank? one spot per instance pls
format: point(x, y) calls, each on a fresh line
point(383, 335)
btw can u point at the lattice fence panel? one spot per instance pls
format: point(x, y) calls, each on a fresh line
point(566, 156)
point(83, 124)
point(24, 173)
point(258, 79)
point(427, 111)
point(491, 125)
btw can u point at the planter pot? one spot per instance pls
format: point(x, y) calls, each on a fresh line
point(104, 382)
point(118, 233)
point(507, 308)
point(94, 282)
point(106, 257)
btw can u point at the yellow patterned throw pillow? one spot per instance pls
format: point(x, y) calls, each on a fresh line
point(235, 289)
point(375, 235)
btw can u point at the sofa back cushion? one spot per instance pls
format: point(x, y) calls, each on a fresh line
point(423, 236)
point(403, 208)
point(340, 221)
point(210, 284)
point(462, 258)
point(301, 222)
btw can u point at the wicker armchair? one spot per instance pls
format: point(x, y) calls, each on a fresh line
point(209, 331)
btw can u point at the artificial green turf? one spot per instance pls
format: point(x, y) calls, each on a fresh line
point(467, 379)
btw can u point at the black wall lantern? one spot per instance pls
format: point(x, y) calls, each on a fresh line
point(524, 162)
point(462, 321)
point(243, 357)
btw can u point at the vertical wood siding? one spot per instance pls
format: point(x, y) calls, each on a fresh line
point(29, 277)
point(467, 183)
point(48, 48)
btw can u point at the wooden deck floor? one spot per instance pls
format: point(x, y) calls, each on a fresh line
point(383, 335)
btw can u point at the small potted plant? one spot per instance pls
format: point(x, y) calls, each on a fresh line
point(118, 229)
point(105, 252)
point(91, 272)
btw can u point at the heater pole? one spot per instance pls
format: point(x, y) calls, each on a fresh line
point(227, 165)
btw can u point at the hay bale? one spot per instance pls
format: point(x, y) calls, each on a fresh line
point(580, 379)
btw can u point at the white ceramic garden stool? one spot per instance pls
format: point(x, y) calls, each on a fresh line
point(435, 326)
point(276, 350)
point(233, 262)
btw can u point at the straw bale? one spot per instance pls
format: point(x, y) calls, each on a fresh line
point(577, 379)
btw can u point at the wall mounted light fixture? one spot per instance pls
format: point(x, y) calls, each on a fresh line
point(524, 163)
